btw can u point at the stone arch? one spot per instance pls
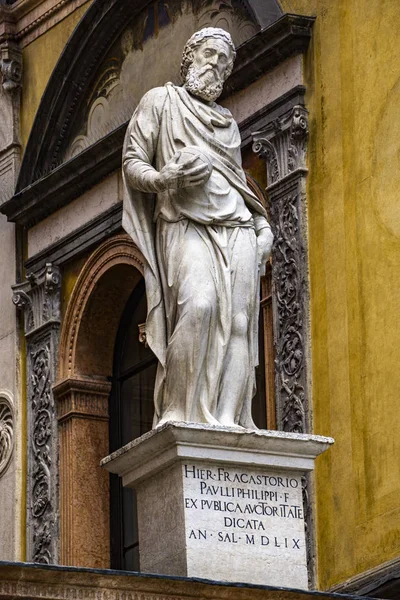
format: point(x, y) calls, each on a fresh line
point(85, 365)
point(96, 304)
point(75, 73)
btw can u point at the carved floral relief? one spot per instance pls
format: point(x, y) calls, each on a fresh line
point(283, 145)
point(39, 298)
point(6, 431)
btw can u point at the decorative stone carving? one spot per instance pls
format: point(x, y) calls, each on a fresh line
point(11, 66)
point(6, 431)
point(10, 149)
point(39, 298)
point(283, 145)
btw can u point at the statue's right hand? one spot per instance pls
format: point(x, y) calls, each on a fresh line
point(175, 174)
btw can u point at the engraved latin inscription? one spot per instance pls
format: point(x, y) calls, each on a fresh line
point(260, 510)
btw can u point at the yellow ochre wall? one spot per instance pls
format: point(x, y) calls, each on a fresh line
point(352, 73)
point(39, 60)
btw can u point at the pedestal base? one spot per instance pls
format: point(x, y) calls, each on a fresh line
point(220, 503)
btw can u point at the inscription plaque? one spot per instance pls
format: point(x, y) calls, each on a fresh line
point(250, 519)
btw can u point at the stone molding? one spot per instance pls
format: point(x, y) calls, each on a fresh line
point(7, 425)
point(39, 298)
point(21, 581)
point(82, 398)
point(116, 250)
point(156, 450)
point(384, 578)
point(26, 21)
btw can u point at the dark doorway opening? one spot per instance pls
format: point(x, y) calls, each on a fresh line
point(131, 415)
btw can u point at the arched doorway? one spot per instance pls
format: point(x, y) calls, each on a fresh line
point(89, 330)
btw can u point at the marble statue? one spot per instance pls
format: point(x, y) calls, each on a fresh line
point(204, 236)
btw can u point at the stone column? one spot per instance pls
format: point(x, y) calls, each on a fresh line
point(39, 298)
point(10, 98)
point(82, 406)
point(282, 143)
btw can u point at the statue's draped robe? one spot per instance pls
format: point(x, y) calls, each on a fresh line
point(199, 246)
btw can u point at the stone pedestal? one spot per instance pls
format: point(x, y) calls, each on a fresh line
point(220, 503)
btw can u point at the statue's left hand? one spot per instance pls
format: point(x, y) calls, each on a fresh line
point(264, 246)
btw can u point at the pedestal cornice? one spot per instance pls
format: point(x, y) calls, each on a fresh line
point(175, 441)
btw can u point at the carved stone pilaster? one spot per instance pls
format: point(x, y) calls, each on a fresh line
point(39, 298)
point(10, 97)
point(11, 66)
point(283, 145)
point(82, 406)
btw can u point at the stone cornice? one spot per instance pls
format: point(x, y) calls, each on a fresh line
point(385, 578)
point(288, 36)
point(82, 398)
point(67, 182)
point(26, 20)
point(57, 186)
point(20, 581)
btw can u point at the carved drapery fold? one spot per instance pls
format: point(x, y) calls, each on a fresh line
point(283, 145)
point(39, 298)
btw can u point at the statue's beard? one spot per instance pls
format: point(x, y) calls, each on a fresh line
point(204, 83)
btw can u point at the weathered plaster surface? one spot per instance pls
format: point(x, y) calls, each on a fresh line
point(66, 220)
point(39, 59)
point(266, 89)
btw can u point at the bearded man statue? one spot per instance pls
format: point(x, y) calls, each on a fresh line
point(204, 236)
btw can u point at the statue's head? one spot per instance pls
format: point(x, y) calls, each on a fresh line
point(207, 62)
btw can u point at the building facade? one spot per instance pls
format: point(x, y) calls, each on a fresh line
point(315, 93)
